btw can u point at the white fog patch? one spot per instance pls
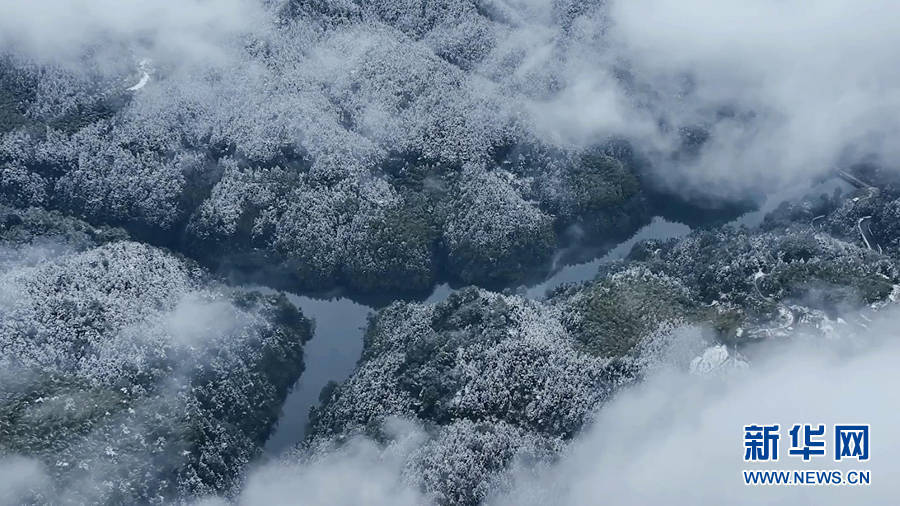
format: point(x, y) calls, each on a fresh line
point(16, 257)
point(123, 366)
point(59, 31)
point(20, 477)
point(676, 438)
point(360, 471)
point(30, 254)
point(786, 92)
point(196, 320)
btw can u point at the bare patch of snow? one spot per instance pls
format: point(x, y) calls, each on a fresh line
point(714, 359)
point(146, 69)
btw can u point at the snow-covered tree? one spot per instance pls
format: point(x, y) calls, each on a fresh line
point(134, 378)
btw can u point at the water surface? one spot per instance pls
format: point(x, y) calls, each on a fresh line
point(658, 228)
point(332, 353)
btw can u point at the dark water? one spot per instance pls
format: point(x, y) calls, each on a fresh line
point(332, 353)
point(658, 228)
point(329, 356)
point(754, 218)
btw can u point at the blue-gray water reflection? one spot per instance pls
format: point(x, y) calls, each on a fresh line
point(333, 351)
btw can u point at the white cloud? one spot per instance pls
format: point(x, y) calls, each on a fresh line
point(20, 477)
point(677, 438)
point(787, 91)
point(60, 31)
point(358, 472)
point(195, 320)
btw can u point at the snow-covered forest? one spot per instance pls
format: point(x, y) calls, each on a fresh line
point(177, 179)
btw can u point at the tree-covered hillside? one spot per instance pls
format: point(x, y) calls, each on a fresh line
point(177, 179)
point(127, 372)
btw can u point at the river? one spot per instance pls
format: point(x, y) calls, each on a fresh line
point(332, 353)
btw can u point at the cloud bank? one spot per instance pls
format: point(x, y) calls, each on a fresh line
point(786, 91)
point(358, 472)
point(677, 438)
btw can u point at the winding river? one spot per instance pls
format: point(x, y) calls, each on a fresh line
point(332, 353)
